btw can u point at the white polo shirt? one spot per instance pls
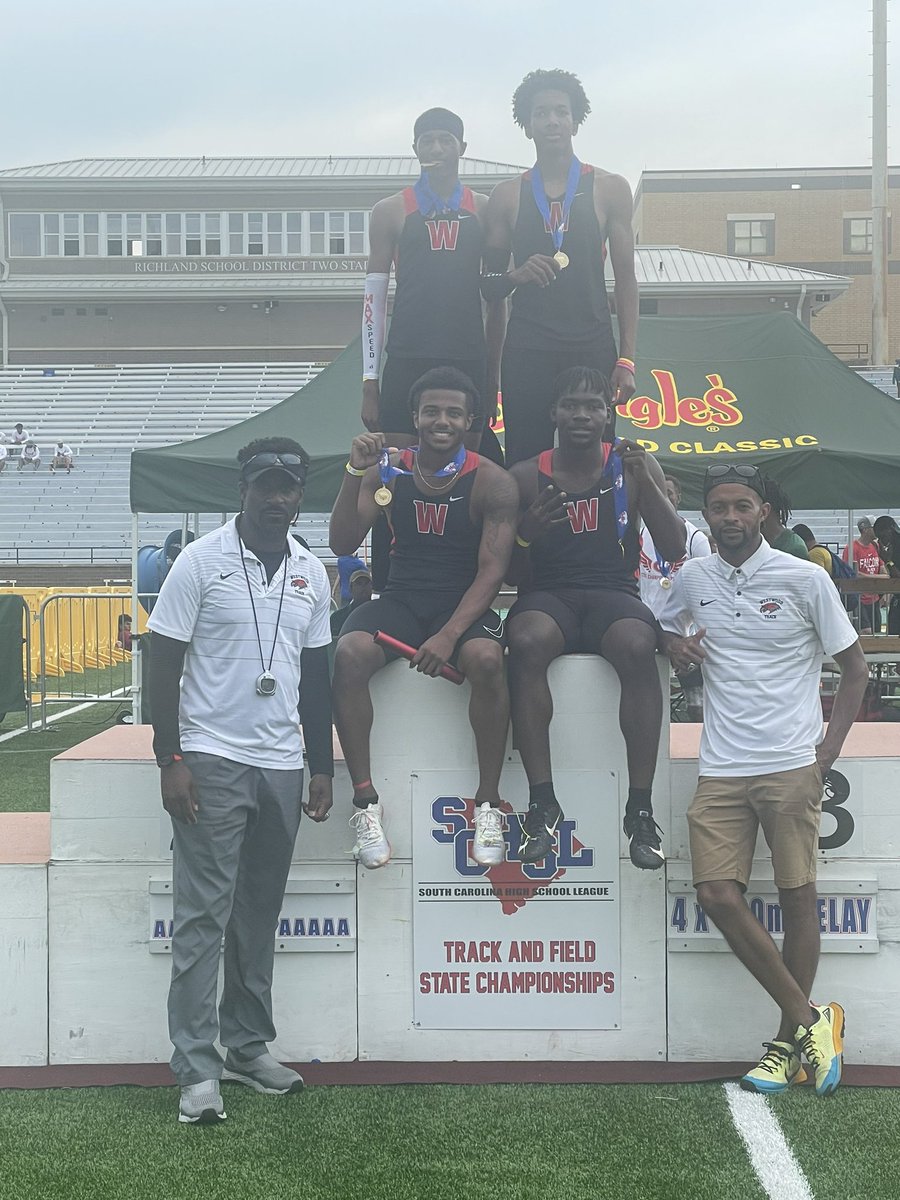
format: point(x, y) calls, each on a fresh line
point(768, 625)
point(649, 571)
point(205, 601)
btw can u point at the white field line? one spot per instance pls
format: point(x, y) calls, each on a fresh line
point(66, 712)
point(778, 1171)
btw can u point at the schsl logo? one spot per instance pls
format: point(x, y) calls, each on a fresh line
point(514, 882)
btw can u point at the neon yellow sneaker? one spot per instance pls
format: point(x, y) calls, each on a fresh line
point(823, 1044)
point(778, 1068)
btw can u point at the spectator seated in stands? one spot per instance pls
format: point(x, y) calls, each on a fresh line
point(774, 526)
point(4, 457)
point(360, 592)
point(816, 553)
point(62, 457)
point(867, 561)
point(19, 435)
point(30, 456)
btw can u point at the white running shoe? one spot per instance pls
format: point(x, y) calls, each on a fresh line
point(201, 1104)
point(488, 846)
point(372, 847)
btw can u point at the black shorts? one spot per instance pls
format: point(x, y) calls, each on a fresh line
point(400, 374)
point(527, 378)
point(414, 617)
point(584, 614)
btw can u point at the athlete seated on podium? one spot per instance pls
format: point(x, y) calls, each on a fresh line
point(452, 516)
point(575, 564)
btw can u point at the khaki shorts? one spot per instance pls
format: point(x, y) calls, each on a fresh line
point(725, 815)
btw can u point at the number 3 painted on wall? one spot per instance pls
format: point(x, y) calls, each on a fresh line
point(837, 791)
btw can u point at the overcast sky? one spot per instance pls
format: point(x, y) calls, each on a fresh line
point(691, 84)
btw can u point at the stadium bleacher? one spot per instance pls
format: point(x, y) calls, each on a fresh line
point(104, 413)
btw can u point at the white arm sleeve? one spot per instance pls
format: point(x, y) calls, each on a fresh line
point(373, 321)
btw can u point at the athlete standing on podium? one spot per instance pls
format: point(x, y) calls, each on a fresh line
point(432, 235)
point(555, 220)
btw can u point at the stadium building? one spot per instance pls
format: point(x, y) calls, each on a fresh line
point(815, 219)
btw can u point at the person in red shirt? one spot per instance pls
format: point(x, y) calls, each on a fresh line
point(868, 561)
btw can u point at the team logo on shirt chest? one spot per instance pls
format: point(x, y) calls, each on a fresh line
point(431, 517)
point(771, 606)
point(298, 583)
point(443, 234)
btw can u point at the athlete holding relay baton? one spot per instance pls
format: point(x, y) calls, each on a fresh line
point(452, 516)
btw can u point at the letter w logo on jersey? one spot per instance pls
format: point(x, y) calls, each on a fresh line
point(430, 517)
point(556, 218)
point(443, 234)
point(583, 515)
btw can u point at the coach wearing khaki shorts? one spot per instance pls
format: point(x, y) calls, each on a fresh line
point(764, 622)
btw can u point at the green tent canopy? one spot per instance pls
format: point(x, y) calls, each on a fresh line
point(758, 389)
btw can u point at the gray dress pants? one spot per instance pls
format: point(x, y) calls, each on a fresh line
point(229, 875)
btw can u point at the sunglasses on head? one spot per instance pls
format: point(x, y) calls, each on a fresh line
point(292, 463)
point(744, 470)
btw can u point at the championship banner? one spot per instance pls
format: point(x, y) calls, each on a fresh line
point(517, 945)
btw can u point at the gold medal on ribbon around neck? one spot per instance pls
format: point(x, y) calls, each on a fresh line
point(562, 258)
point(383, 497)
point(665, 582)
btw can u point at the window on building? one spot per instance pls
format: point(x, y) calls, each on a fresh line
point(71, 234)
point(114, 232)
point(254, 233)
point(751, 236)
point(91, 226)
point(857, 235)
point(153, 234)
point(189, 234)
point(317, 233)
point(213, 234)
point(294, 232)
point(24, 235)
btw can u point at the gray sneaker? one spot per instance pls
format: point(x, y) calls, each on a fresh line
point(263, 1074)
point(201, 1104)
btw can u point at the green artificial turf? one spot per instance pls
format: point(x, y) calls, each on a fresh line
point(849, 1145)
point(25, 762)
point(514, 1142)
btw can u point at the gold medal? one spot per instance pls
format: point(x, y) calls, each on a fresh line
point(665, 582)
point(383, 497)
point(562, 258)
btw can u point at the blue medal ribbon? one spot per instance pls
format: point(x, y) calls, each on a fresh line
point(543, 204)
point(388, 471)
point(616, 472)
point(430, 202)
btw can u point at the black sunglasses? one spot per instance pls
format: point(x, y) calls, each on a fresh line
point(744, 470)
point(292, 463)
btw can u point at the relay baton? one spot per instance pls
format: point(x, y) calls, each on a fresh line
point(409, 652)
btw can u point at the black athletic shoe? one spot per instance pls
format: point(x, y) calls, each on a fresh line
point(539, 827)
point(644, 845)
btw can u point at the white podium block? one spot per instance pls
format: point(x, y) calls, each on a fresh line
point(23, 955)
point(423, 749)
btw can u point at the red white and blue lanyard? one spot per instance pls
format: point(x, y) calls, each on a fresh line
point(557, 232)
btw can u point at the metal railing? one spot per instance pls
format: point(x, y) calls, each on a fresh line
point(82, 638)
point(88, 555)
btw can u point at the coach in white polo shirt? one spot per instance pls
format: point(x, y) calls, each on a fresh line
point(236, 611)
point(764, 622)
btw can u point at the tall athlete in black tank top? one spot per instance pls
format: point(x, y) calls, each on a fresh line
point(557, 233)
point(432, 235)
point(575, 564)
point(453, 518)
